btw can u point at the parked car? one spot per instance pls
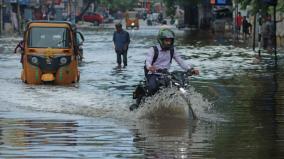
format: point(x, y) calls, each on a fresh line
point(93, 17)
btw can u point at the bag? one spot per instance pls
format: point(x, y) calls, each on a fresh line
point(156, 53)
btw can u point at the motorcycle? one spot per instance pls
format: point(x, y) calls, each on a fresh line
point(178, 80)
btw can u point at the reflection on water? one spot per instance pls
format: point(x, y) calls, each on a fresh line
point(167, 138)
point(62, 137)
point(239, 104)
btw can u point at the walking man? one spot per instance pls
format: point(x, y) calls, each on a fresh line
point(238, 22)
point(121, 41)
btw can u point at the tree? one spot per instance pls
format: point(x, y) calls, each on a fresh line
point(119, 4)
point(171, 10)
point(258, 5)
point(89, 2)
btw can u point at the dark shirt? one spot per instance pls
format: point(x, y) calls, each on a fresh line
point(121, 40)
point(268, 30)
point(245, 26)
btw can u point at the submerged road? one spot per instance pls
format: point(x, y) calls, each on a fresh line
point(238, 101)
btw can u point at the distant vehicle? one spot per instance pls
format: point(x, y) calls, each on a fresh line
point(180, 23)
point(93, 17)
point(132, 20)
point(108, 19)
point(51, 53)
point(152, 19)
point(222, 20)
point(155, 17)
point(141, 13)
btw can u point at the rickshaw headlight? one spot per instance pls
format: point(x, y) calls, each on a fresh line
point(63, 60)
point(132, 23)
point(34, 60)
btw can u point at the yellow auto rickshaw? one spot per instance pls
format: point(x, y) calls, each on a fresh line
point(132, 20)
point(51, 53)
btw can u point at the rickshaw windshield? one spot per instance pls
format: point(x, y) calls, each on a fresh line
point(132, 15)
point(47, 37)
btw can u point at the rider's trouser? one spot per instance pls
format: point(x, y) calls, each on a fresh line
point(152, 83)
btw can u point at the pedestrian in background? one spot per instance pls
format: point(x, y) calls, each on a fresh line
point(268, 34)
point(238, 22)
point(121, 42)
point(246, 28)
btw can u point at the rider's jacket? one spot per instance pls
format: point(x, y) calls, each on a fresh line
point(164, 58)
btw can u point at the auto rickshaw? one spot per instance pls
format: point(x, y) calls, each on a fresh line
point(132, 20)
point(51, 53)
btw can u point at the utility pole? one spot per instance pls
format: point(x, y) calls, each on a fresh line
point(274, 4)
point(19, 17)
point(75, 11)
point(254, 29)
point(259, 33)
point(274, 38)
point(1, 16)
point(237, 11)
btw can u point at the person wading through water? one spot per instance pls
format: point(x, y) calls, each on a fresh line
point(121, 42)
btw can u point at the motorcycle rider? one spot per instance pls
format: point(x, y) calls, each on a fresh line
point(165, 51)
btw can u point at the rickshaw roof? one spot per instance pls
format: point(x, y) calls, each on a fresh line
point(43, 23)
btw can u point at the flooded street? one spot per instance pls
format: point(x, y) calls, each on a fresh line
point(238, 102)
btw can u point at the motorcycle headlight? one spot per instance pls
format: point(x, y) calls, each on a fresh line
point(34, 60)
point(63, 60)
point(177, 84)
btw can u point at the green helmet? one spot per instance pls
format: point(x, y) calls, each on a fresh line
point(166, 33)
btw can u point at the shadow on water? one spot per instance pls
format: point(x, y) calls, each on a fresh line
point(268, 109)
point(199, 38)
point(205, 37)
point(254, 104)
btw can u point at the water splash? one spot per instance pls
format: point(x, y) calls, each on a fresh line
point(167, 103)
point(171, 103)
point(203, 109)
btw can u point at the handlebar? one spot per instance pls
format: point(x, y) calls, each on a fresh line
point(190, 72)
point(163, 71)
point(175, 77)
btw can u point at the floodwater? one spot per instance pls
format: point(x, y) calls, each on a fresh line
point(237, 98)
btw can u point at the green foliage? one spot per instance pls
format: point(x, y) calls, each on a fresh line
point(257, 5)
point(281, 5)
point(170, 7)
point(119, 4)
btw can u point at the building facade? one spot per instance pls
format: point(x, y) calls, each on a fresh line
point(14, 14)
